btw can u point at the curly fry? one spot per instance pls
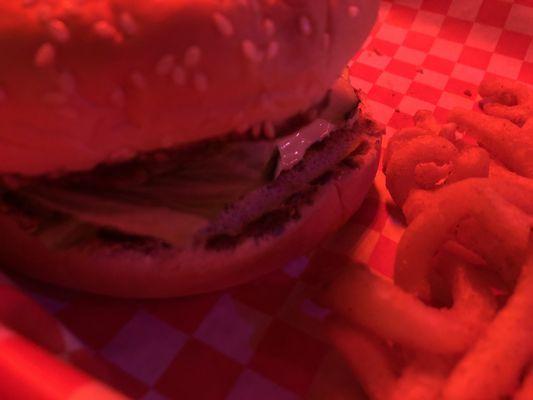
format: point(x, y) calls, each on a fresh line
point(472, 162)
point(431, 175)
point(399, 139)
point(526, 390)
point(368, 357)
point(471, 234)
point(514, 188)
point(507, 99)
point(369, 301)
point(403, 162)
point(424, 119)
point(428, 156)
point(417, 202)
point(422, 378)
point(468, 244)
point(479, 374)
point(433, 227)
point(511, 144)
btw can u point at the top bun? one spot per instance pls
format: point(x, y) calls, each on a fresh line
point(86, 82)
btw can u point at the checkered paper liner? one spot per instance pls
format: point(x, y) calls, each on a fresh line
point(263, 340)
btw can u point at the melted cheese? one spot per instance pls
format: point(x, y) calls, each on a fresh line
point(292, 148)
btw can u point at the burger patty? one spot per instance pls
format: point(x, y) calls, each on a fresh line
point(212, 194)
point(262, 211)
point(267, 210)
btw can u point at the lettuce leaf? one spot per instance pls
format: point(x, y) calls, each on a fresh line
point(172, 204)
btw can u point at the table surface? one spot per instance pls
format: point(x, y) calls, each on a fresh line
point(263, 340)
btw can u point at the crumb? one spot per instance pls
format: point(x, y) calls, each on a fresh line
point(379, 53)
point(468, 93)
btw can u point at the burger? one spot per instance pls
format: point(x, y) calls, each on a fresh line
point(164, 148)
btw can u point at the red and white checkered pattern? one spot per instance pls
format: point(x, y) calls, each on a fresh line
point(263, 340)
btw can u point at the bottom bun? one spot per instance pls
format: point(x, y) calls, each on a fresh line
point(165, 272)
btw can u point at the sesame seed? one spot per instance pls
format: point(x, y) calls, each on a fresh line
point(165, 65)
point(44, 13)
point(251, 51)
point(305, 26)
point(59, 31)
point(223, 24)
point(192, 56)
point(107, 31)
point(272, 50)
point(45, 56)
point(269, 27)
point(353, 11)
point(254, 5)
point(69, 8)
point(128, 24)
point(200, 82)
point(179, 76)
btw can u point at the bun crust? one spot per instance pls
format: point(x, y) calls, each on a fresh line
point(169, 273)
point(88, 82)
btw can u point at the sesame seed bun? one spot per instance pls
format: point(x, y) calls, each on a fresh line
point(83, 83)
point(87, 83)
